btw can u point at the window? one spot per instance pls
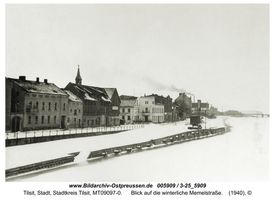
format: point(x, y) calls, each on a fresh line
point(49, 119)
point(42, 119)
point(55, 106)
point(146, 102)
point(129, 110)
point(30, 120)
point(68, 120)
point(123, 117)
point(43, 105)
point(71, 110)
point(78, 110)
point(49, 105)
point(129, 117)
point(64, 106)
point(123, 110)
point(30, 104)
point(75, 121)
point(36, 105)
point(54, 119)
point(36, 119)
point(75, 112)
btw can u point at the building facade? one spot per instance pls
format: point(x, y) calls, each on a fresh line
point(128, 109)
point(100, 105)
point(167, 102)
point(34, 105)
point(149, 110)
point(200, 107)
point(113, 118)
point(75, 111)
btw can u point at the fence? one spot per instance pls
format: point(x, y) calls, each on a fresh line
point(60, 132)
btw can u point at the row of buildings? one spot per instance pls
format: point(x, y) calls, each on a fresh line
point(32, 105)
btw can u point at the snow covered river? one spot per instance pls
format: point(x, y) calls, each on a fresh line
point(241, 154)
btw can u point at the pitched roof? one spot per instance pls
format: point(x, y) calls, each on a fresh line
point(38, 87)
point(72, 97)
point(91, 93)
point(110, 92)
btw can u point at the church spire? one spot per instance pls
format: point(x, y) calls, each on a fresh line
point(78, 79)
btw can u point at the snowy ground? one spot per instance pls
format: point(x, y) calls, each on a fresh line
point(241, 154)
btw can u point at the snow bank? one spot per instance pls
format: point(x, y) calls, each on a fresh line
point(241, 154)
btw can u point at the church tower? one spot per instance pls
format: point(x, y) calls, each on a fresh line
point(78, 79)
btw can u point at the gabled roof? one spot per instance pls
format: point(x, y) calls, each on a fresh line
point(38, 87)
point(110, 92)
point(72, 97)
point(91, 93)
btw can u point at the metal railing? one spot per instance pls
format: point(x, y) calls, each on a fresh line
point(55, 132)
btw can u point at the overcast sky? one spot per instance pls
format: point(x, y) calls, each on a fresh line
point(220, 53)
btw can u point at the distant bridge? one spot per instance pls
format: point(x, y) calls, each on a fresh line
point(256, 115)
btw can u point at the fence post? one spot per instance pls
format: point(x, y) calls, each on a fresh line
point(17, 138)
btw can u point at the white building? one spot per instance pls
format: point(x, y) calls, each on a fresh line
point(128, 109)
point(148, 110)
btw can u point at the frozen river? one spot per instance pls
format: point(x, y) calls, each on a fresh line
point(241, 154)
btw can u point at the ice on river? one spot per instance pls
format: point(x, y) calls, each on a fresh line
point(241, 154)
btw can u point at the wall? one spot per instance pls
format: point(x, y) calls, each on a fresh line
point(52, 113)
point(74, 114)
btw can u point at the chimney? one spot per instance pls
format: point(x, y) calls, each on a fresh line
point(46, 81)
point(22, 78)
point(37, 79)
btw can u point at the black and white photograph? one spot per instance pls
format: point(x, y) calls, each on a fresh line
point(163, 93)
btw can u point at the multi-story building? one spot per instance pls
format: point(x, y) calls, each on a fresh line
point(100, 105)
point(74, 111)
point(128, 109)
point(34, 105)
point(167, 102)
point(183, 105)
point(200, 107)
point(113, 118)
point(149, 110)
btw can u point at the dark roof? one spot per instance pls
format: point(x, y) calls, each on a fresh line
point(91, 93)
point(38, 87)
point(72, 97)
point(128, 102)
point(126, 97)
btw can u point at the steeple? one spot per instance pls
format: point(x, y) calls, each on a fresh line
point(78, 79)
